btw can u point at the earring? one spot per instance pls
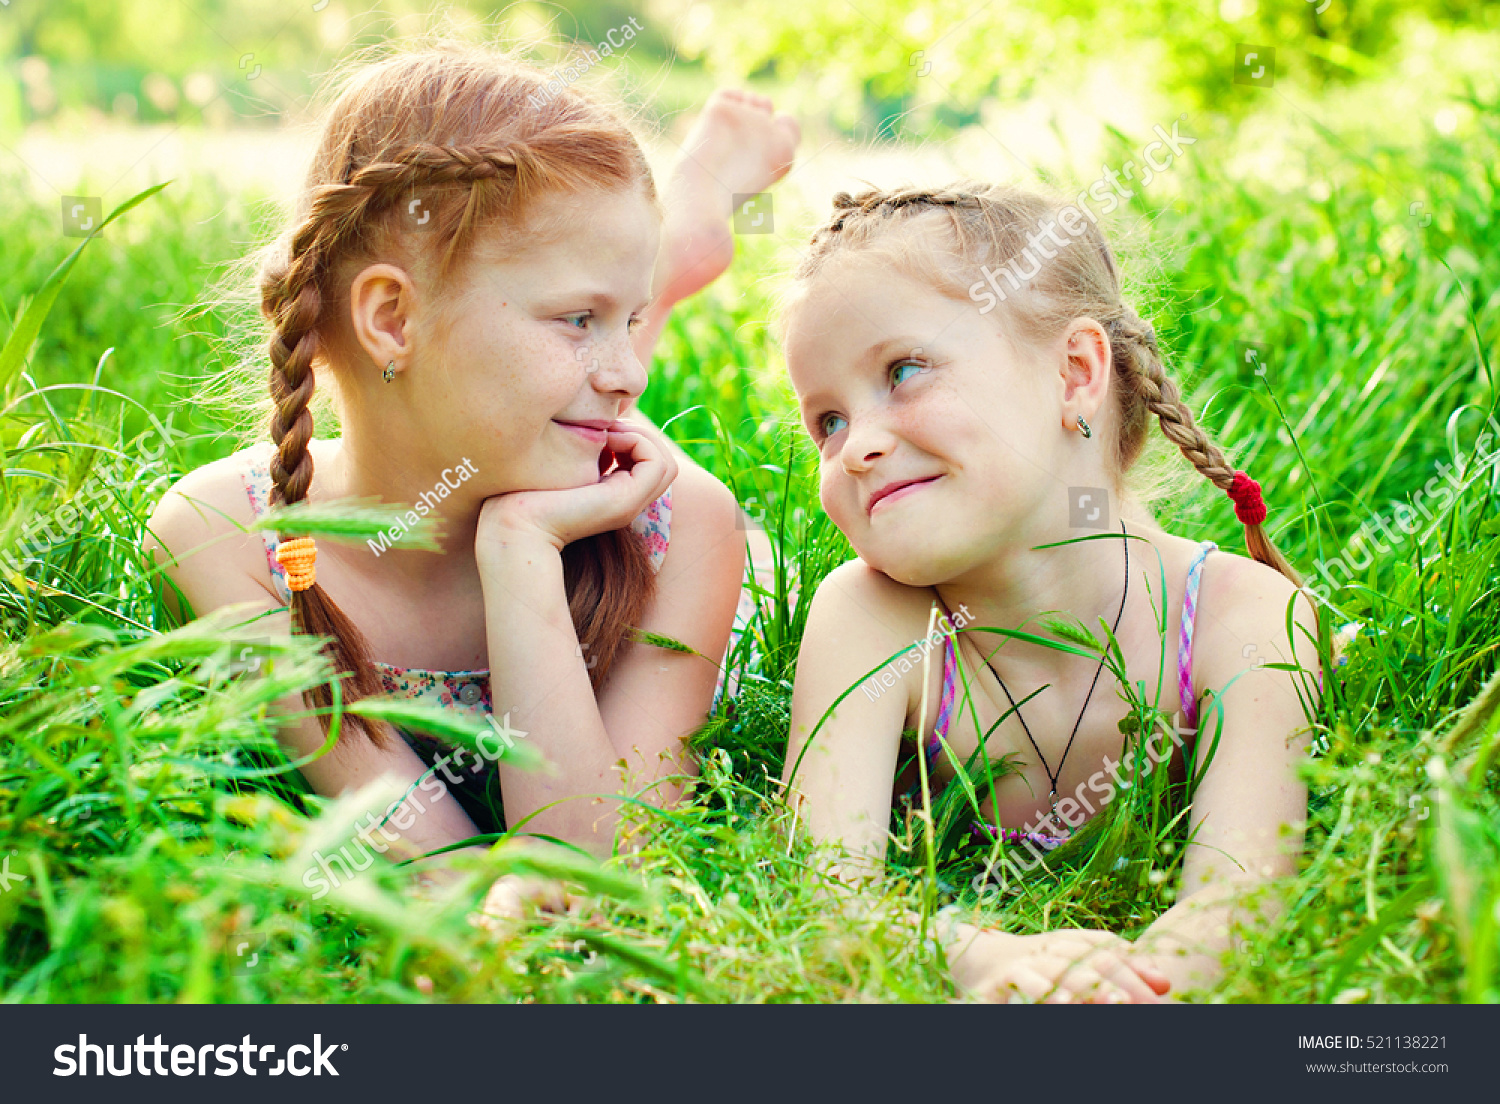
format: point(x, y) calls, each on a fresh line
point(389, 373)
point(1083, 427)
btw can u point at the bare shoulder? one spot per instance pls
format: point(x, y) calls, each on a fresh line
point(705, 542)
point(861, 618)
point(1242, 617)
point(197, 531)
point(207, 501)
point(859, 622)
point(698, 496)
point(698, 583)
point(700, 499)
point(856, 590)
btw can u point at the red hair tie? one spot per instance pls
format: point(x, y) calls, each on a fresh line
point(1249, 507)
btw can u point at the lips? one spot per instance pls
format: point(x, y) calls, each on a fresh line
point(591, 429)
point(898, 488)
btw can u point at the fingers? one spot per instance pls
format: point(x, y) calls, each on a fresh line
point(1119, 980)
point(644, 462)
point(1091, 935)
point(502, 910)
point(1074, 965)
point(1090, 968)
point(644, 467)
point(1079, 984)
point(1110, 963)
point(545, 895)
point(1152, 976)
point(1127, 952)
point(513, 897)
point(640, 431)
point(1020, 984)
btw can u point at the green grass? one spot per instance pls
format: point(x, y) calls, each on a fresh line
point(143, 796)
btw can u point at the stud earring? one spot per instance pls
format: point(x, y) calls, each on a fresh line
point(1083, 427)
point(389, 373)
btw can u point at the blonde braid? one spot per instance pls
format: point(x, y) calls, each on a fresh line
point(875, 201)
point(1138, 362)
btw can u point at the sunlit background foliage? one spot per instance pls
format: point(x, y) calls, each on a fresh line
point(1343, 219)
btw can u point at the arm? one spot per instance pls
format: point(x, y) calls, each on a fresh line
point(1250, 810)
point(841, 788)
point(653, 698)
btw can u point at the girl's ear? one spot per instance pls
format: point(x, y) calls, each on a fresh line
point(1084, 371)
point(382, 299)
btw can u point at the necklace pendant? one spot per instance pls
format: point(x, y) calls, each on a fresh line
point(1062, 829)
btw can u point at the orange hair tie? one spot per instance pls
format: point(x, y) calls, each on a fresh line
point(298, 557)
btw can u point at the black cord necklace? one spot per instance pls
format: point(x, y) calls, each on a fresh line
point(1051, 777)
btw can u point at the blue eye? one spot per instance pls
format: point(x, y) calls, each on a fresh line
point(584, 315)
point(823, 424)
point(916, 366)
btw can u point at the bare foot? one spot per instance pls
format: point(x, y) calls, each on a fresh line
point(736, 147)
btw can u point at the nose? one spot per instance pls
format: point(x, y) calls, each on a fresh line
point(615, 369)
point(866, 441)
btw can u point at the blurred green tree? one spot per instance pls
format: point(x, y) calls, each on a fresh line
point(875, 54)
point(153, 60)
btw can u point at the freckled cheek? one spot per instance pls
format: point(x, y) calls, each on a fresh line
point(533, 349)
point(522, 396)
point(929, 421)
point(557, 381)
point(542, 380)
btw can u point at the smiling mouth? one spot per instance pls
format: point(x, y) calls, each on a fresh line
point(901, 490)
point(593, 431)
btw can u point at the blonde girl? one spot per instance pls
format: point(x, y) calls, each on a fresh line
point(469, 276)
point(961, 433)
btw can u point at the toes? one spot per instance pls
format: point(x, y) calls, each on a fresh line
point(742, 97)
